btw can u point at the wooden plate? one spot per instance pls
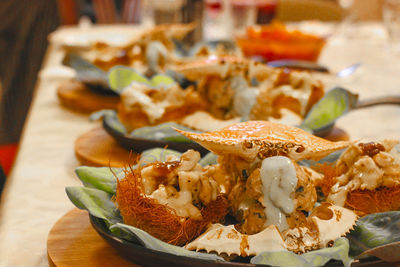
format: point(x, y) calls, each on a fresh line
point(148, 257)
point(337, 134)
point(72, 242)
point(78, 97)
point(97, 148)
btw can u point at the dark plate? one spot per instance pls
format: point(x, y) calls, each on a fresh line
point(148, 257)
point(140, 144)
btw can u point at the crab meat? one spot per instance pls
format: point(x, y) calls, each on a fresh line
point(225, 239)
point(263, 139)
point(367, 177)
point(301, 239)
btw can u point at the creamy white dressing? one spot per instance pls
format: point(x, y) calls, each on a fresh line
point(245, 97)
point(244, 101)
point(154, 52)
point(279, 180)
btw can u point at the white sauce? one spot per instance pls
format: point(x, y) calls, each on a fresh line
point(278, 176)
point(245, 97)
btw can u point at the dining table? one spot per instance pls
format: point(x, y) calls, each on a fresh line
point(34, 196)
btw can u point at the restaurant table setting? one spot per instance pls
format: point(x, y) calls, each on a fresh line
point(34, 198)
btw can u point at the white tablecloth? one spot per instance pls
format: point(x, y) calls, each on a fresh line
point(34, 196)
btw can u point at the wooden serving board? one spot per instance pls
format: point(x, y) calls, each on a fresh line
point(97, 148)
point(337, 134)
point(77, 97)
point(73, 242)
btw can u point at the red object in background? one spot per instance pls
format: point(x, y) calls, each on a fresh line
point(7, 156)
point(214, 4)
point(266, 12)
point(68, 11)
point(274, 41)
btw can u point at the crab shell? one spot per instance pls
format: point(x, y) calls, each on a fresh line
point(221, 66)
point(225, 239)
point(328, 222)
point(332, 222)
point(262, 139)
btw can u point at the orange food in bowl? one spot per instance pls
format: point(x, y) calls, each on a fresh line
point(275, 41)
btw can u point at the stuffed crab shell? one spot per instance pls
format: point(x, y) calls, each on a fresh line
point(228, 85)
point(142, 105)
point(267, 188)
point(271, 197)
point(366, 178)
point(151, 49)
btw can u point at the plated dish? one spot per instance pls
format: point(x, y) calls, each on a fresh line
point(203, 88)
point(257, 202)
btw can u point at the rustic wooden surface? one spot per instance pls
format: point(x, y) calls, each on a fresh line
point(97, 148)
point(77, 97)
point(73, 242)
point(337, 134)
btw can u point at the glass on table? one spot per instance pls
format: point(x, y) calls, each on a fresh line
point(345, 29)
point(249, 12)
point(391, 19)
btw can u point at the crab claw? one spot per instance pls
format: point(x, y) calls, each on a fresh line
point(225, 239)
point(263, 139)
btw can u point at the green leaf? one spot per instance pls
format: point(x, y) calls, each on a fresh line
point(163, 131)
point(327, 110)
point(111, 119)
point(102, 178)
point(87, 72)
point(157, 154)
point(97, 202)
point(120, 77)
point(375, 230)
point(208, 159)
point(130, 232)
point(161, 80)
point(339, 251)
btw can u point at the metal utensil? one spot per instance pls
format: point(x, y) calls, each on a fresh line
point(312, 66)
point(384, 100)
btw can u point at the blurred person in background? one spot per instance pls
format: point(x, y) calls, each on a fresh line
point(23, 41)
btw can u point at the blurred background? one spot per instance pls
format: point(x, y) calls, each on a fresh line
point(26, 25)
